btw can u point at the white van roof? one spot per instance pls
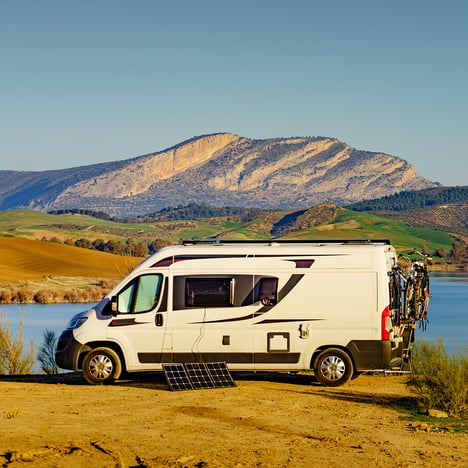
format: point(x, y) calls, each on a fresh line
point(209, 249)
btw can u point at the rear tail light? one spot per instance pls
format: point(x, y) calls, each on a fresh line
point(386, 323)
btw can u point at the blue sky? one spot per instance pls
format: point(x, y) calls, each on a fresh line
point(91, 81)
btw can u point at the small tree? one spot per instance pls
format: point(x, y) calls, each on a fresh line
point(14, 357)
point(440, 252)
point(46, 353)
point(459, 251)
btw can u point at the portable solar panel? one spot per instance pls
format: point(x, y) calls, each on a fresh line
point(220, 374)
point(177, 377)
point(199, 375)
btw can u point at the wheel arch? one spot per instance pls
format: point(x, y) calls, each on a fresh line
point(102, 344)
point(321, 348)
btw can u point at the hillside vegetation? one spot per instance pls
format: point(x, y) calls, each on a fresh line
point(411, 200)
point(441, 208)
point(322, 221)
point(325, 221)
point(47, 257)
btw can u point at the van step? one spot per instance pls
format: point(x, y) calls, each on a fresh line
point(396, 363)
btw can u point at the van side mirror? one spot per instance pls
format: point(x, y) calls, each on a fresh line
point(114, 306)
point(110, 308)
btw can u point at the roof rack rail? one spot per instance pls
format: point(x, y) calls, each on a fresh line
point(285, 241)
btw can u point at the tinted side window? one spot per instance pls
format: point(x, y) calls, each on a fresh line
point(208, 292)
point(267, 291)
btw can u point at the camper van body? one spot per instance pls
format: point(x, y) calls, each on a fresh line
point(255, 306)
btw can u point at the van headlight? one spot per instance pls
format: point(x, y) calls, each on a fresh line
point(76, 322)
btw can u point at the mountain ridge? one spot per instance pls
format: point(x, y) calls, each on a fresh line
point(219, 169)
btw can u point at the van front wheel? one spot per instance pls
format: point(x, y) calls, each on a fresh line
point(333, 367)
point(101, 365)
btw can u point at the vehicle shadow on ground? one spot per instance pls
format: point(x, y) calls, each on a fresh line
point(157, 380)
point(304, 383)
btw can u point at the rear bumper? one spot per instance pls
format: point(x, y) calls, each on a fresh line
point(371, 354)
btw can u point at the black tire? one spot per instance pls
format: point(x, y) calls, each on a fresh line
point(101, 365)
point(333, 367)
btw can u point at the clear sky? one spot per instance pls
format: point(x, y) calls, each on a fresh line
point(92, 81)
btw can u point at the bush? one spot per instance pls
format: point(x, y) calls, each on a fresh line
point(440, 379)
point(24, 295)
point(6, 295)
point(14, 358)
point(43, 296)
point(72, 295)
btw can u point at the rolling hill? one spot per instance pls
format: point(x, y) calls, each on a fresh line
point(32, 260)
point(441, 208)
point(322, 221)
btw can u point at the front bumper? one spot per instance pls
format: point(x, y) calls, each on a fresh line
point(68, 351)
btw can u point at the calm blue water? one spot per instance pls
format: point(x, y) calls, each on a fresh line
point(448, 310)
point(448, 313)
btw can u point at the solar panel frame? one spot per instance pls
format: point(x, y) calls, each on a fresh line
point(176, 377)
point(220, 374)
point(199, 375)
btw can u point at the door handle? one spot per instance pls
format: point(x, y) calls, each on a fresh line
point(159, 320)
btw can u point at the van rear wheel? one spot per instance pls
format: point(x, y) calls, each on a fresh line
point(101, 365)
point(333, 367)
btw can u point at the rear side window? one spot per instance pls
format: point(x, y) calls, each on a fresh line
point(209, 292)
point(267, 290)
point(140, 295)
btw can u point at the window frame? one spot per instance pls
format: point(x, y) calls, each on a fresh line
point(227, 296)
point(136, 283)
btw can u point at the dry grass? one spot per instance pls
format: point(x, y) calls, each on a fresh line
point(56, 290)
point(45, 272)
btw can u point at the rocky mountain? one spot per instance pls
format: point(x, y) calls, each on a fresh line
point(219, 169)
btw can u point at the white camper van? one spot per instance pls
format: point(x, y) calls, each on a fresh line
point(334, 307)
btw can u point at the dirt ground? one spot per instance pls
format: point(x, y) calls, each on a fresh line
point(267, 420)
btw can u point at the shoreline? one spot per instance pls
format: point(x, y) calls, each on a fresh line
point(62, 290)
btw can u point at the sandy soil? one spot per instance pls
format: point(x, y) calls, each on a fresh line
point(273, 420)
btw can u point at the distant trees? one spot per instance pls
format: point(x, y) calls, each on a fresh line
point(93, 213)
point(195, 211)
point(130, 247)
point(413, 199)
point(179, 212)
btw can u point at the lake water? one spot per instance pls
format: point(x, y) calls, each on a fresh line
point(448, 310)
point(448, 313)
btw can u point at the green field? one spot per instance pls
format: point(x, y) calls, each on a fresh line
point(355, 225)
point(26, 255)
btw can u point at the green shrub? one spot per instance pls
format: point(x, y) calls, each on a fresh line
point(439, 378)
point(14, 357)
point(46, 353)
